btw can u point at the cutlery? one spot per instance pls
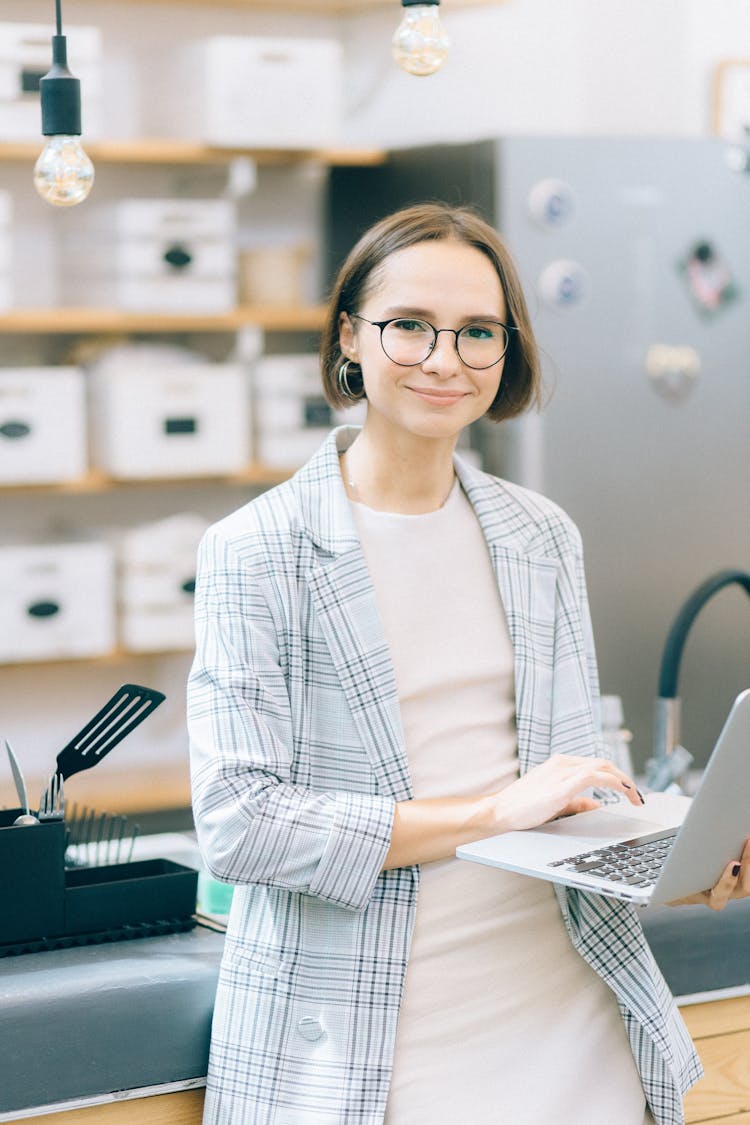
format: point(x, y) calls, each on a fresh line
point(52, 799)
point(26, 817)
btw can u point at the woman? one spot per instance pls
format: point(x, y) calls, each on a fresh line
point(384, 644)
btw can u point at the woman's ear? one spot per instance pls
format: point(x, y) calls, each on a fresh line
point(347, 338)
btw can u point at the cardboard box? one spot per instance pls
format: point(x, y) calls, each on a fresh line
point(42, 425)
point(291, 413)
point(169, 255)
point(57, 601)
point(156, 583)
point(181, 421)
point(246, 91)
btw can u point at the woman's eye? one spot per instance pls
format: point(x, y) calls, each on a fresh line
point(479, 331)
point(411, 325)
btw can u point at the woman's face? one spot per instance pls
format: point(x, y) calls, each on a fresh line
point(450, 285)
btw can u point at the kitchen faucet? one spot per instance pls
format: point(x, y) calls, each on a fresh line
point(671, 759)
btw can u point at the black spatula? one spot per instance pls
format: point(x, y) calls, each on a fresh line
point(127, 708)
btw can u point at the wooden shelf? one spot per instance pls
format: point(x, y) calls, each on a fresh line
point(321, 7)
point(152, 150)
point(76, 321)
point(95, 482)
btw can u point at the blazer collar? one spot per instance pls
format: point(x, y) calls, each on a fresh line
point(327, 516)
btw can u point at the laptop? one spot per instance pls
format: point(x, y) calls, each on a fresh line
point(670, 848)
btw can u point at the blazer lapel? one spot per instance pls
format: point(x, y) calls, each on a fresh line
point(527, 582)
point(344, 598)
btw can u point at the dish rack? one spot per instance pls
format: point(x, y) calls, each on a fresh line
point(48, 906)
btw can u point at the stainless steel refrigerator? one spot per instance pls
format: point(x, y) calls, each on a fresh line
point(635, 255)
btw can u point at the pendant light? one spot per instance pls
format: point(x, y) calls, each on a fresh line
point(63, 174)
point(420, 45)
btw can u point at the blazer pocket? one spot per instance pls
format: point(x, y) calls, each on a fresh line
point(240, 957)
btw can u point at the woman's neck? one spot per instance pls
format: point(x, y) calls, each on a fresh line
point(409, 476)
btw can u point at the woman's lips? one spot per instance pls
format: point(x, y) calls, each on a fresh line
point(438, 398)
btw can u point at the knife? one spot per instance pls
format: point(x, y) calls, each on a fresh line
point(20, 788)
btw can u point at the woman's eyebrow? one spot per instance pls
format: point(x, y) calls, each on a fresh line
point(429, 314)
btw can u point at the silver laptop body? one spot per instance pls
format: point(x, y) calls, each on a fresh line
point(643, 856)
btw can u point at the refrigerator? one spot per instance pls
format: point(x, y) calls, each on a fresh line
point(635, 259)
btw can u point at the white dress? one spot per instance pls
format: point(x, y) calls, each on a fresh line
point(502, 1021)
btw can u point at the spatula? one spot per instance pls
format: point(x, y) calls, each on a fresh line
point(127, 708)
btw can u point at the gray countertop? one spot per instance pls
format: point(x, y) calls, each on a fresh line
point(83, 1022)
point(78, 1023)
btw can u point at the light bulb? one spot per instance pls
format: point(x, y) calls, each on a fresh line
point(63, 174)
point(420, 45)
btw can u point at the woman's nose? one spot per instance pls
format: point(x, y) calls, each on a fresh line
point(444, 358)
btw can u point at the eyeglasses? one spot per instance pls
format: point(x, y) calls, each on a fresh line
point(408, 341)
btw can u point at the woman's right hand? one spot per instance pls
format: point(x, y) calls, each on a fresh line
point(555, 788)
point(432, 828)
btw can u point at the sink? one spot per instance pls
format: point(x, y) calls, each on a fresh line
point(700, 950)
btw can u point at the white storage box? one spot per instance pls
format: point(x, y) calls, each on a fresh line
point(292, 417)
point(56, 601)
point(243, 91)
point(26, 56)
point(171, 255)
point(6, 250)
point(157, 583)
point(179, 421)
point(42, 425)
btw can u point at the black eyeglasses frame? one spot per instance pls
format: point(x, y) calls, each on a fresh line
point(383, 324)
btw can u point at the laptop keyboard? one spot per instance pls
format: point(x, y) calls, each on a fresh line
point(635, 862)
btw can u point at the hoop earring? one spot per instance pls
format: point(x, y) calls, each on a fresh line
point(343, 382)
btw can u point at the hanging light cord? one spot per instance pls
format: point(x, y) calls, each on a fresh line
point(58, 12)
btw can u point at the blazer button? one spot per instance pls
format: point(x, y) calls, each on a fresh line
point(310, 1028)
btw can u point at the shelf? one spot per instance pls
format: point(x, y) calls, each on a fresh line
point(172, 151)
point(95, 482)
point(113, 657)
point(321, 7)
point(74, 321)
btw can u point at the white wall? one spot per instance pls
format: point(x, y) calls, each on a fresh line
point(616, 67)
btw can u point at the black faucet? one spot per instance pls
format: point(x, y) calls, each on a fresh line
point(671, 759)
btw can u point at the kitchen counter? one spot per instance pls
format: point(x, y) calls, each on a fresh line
point(101, 1024)
point(77, 1024)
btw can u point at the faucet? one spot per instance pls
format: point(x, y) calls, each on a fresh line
point(671, 759)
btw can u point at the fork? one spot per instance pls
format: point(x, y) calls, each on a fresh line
point(52, 799)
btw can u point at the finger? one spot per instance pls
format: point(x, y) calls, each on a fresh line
point(724, 889)
point(607, 779)
point(742, 890)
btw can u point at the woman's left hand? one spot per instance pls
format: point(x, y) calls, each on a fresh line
point(734, 883)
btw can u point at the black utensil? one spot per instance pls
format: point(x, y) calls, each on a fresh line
point(127, 708)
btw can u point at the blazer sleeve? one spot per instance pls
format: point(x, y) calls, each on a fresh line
point(253, 824)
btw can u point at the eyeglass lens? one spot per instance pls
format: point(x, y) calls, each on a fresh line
point(410, 342)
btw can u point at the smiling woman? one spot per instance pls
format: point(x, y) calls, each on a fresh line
point(394, 657)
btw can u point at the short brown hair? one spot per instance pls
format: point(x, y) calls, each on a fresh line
point(520, 386)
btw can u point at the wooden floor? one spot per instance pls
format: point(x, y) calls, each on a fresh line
point(721, 1031)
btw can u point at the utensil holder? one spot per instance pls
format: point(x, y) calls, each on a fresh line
point(32, 878)
point(102, 898)
point(42, 902)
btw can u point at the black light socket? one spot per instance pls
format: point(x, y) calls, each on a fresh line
point(60, 95)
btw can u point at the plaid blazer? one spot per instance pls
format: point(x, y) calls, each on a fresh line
point(297, 758)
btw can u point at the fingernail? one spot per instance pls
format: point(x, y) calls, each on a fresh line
point(643, 799)
point(736, 870)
